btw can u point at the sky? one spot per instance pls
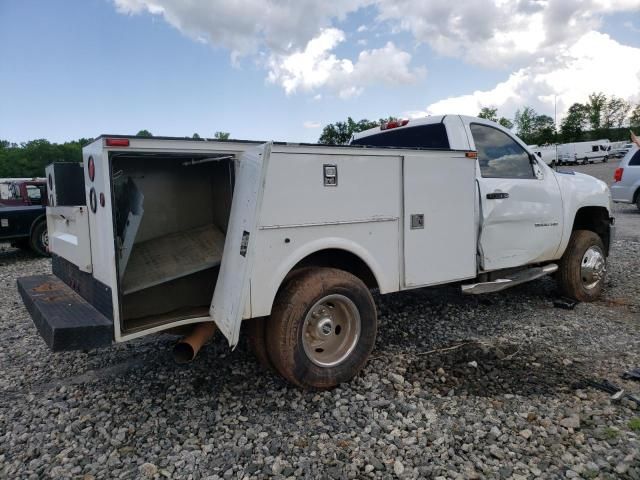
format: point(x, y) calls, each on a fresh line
point(282, 69)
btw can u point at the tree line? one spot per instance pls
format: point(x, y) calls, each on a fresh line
point(597, 118)
point(29, 159)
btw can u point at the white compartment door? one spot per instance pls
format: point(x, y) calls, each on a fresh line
point(439, 218)
point(232, 288)
point(68, 229)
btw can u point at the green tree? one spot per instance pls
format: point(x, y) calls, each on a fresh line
point(29, 159)
point(340, 133)
point(574, 123)
point(544, 130)
point(489, 113)
point(615, 112)
point(221, 135)
point(525, 121)
point(506, 123)
point(634, 119)
point(195, 136)
point(595, 107)
point(144, 133)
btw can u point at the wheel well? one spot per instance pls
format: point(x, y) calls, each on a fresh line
point(340, 259)
point(595, 219)
point(636, 194)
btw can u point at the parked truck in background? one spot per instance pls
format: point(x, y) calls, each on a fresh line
point(23, 221)
point(287, 240)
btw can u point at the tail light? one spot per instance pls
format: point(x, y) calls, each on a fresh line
point(393, 124)
point(117, 142)
point(618, 175)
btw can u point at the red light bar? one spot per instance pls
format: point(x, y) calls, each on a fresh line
point(117, 142)
point(393, 124)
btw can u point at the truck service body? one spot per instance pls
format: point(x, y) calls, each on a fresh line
point(291, 237)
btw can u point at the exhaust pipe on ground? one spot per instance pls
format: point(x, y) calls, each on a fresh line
point(188, 347)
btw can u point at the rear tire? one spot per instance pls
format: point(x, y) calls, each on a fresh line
point(583, 267)
point(257, 342)
point(39, 240)
point(585, 161)
point(322, 328)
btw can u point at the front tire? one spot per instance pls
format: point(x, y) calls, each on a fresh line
point(322, 328)
point(39, 239)
point(583, 267)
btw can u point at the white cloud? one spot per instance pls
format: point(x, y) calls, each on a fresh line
point(247, 26)
point(545, 43)
point(317, 67)
point(311, 124)
point(499, 33)
point(595, 63)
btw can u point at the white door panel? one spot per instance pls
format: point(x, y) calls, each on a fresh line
point(441, 189)
point(520, 202)
point(68, 229)
point(232, 287)
point(524, 228)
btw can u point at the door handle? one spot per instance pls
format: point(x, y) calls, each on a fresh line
point(497, 195)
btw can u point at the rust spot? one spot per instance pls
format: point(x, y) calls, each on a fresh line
point(47, 287)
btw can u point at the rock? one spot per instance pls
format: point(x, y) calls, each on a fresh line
point(572, 421)
point(398, 468)
point(526, 433)
point(148, 470)
point(473, 364)
point(397, 379)
point(496, 452)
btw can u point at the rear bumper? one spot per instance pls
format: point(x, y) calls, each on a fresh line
point(63, 318)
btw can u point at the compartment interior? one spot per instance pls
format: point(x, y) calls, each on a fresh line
point(171, 213)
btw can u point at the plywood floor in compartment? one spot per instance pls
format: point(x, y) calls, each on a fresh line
point(173, 256)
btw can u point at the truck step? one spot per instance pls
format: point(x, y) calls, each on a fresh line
point(509, 281)
point(64, 319)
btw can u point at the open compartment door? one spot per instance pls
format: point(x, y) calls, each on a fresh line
point(232, 287)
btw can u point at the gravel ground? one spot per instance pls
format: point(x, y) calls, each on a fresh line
point(458, 387)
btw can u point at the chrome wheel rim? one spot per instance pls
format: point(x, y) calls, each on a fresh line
point(593, 267)
point(44, 239)
point(331, 330)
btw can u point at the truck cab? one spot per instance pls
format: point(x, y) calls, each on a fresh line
point(22, 213)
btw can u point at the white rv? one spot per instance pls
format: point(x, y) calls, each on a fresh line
point(584, 152)
point(548, 153)
point(286, 240)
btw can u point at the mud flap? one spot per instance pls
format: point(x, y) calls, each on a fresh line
point(232, 287)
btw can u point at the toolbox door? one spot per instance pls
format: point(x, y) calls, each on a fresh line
point(68, 229)
point(232, 287)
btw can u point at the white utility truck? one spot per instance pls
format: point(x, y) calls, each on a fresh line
point(584, 152)
point(184, 234)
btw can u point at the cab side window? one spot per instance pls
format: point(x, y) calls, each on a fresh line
point(34, 194)
point(635, 160)
point(499, 155)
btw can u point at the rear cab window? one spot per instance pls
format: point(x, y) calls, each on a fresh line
point(635, 160)
point(421, 136)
